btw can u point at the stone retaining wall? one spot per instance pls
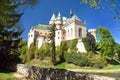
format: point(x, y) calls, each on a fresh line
point(37, 73)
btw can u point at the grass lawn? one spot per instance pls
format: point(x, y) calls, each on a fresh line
point(7, 76)
point(112, 67)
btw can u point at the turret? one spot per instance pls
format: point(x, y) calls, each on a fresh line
point(59, 17)
point(52, 20)
point(58, 21)
point(71, 13)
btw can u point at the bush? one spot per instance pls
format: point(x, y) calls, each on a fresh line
point(99, 62)
point(89, 43)
point(85, 59)
point(80, 59)
point(30, 53)
point(44, 51)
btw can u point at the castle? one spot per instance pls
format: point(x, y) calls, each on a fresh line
point(66, 29)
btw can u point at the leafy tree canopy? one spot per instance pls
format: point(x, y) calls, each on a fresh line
point(105, 42)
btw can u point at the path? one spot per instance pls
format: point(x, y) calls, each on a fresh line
point(94, 71)
point(19, 76)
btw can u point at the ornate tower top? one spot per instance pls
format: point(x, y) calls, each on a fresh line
point(53, 17)
point(71, 13)
point(59, 17)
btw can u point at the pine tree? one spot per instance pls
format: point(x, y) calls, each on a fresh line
point(10, 30)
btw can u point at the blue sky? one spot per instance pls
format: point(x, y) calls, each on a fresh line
point(42, 12)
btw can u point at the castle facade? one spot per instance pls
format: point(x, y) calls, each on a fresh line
point(66, 29)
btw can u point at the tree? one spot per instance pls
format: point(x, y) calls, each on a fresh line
point(52, 38)
point(117, 51)
point(105, 42)
point(114, 4)
point(10, 30)
point(23, 50)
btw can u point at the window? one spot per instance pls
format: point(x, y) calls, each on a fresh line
point(58, 32)
point(80, 32)
point(58, 37)
point(31, 35)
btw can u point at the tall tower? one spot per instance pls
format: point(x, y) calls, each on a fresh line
point(52, 20)
point(58, 21)
point(71, 13)
point(58, 32)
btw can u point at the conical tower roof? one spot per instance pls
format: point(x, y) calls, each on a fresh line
point(59, 17)
point(53, 17)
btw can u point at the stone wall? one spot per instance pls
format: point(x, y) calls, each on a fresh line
point(37, 73)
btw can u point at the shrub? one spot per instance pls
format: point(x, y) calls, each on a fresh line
point(30, 53)
point(73, 44)
point(44, 51)
point(80, 59)
point(85, 59)
point(89, 43)
point(99, 62)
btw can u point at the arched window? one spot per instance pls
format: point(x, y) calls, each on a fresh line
point(80, 32)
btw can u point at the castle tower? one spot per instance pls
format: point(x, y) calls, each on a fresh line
point(52, 20)
point(58, 21)
point(71, 13)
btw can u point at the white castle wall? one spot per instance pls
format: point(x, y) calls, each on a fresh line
point(80, 46)
point(31, 36)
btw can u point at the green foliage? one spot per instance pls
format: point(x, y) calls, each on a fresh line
point(10, 30)
point(89, 43)
point(86, 59)
point(44, 51)
point(80, 59)
point(7, 76)
point(105, 43)
point(73, 44)
point(117, 51)
point(23, 50)
point(53, 48)
point(99, 62)
point(31, 52)
point(63, 49)
point(92, 3)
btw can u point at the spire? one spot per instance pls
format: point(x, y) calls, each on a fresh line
point(71, 13)
point(59, 14)
point(53, 17)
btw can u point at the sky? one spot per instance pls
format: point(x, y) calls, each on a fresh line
point(42, 12)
